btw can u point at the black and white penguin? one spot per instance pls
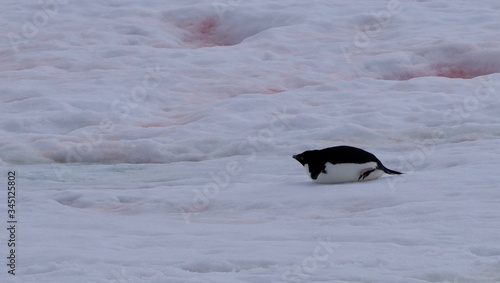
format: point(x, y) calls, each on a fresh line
point(341, 164)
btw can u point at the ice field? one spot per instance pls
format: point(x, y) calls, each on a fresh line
point(152, 141)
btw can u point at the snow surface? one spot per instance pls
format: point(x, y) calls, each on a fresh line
point(152, 140)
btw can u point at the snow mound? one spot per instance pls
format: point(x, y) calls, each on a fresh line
point(208, 265)
point(467, 65)
point(205, 266)
point(206, 26)
point(451, 61)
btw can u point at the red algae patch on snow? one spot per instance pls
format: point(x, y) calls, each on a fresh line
point(206, 32)
point(456, 72)
point(452, 60)
point(201, 26)
point(274, 90)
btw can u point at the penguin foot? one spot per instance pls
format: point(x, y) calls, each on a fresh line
point(365, 173)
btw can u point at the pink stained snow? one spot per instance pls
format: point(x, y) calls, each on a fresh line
point(152, 140)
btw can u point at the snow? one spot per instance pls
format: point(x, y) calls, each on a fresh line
point(152, 141)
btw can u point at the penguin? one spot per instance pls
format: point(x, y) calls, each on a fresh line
point(342, 164)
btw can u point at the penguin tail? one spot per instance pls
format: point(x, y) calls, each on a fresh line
point(389, 171)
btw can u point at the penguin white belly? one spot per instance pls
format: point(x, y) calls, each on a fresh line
point(346, 172)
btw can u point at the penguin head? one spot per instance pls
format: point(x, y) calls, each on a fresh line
point(305, 157)
point(313, 163)
point(300, 158)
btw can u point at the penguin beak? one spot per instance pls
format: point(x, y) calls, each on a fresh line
point(299, 158)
